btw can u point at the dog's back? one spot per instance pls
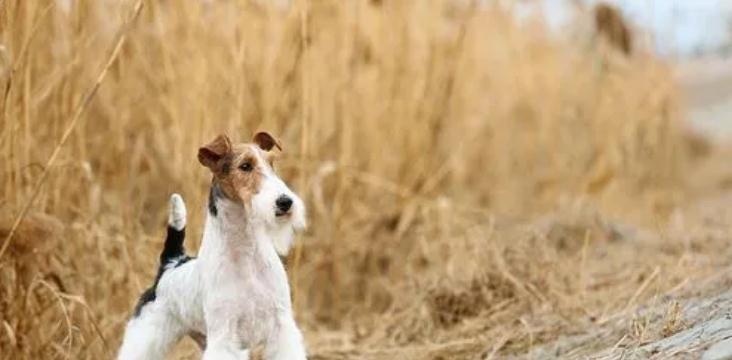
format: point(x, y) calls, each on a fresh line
point(173, 254)
point(170, 291)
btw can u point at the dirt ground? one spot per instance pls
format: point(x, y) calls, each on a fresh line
point(694, 320)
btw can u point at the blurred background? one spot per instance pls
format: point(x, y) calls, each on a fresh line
point(485, 179)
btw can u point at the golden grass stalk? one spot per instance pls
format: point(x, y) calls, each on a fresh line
point(426, 137)
point(69, 129)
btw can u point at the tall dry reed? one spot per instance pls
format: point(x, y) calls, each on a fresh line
point(411, 128)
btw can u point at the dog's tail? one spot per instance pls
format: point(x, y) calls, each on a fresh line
point(176, 230)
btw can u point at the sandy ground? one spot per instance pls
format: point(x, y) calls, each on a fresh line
point(693, 321)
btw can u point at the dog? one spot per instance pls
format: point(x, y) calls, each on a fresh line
point(234, 296)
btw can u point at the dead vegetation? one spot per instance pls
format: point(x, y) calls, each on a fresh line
point(470, 179)
point(612, 27)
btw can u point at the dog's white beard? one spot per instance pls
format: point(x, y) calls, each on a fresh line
point(280, 230)
point(283, 234)
point(282, 240)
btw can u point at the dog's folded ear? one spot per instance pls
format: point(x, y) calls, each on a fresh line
point(210, 154)
point(266, 141)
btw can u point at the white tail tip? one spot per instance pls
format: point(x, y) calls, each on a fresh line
point(177, 215)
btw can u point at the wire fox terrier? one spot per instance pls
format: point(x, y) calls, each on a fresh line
point(234, 296)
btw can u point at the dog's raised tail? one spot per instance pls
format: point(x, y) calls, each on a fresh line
point(173, 254)
point(176, 230)
point(177, 214)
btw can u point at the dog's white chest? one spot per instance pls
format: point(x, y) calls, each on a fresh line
point(246, 292)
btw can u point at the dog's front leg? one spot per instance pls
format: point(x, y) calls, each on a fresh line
point(287, 342)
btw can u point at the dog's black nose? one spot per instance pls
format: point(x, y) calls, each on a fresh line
point(284, 203)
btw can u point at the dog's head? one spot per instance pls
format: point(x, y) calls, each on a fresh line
point(244, 174)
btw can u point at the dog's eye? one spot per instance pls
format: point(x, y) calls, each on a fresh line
point(247, 166)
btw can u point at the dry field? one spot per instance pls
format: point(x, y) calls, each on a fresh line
point(476, 188)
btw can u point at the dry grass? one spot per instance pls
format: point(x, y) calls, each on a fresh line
point(612, 26)
point(427, 138)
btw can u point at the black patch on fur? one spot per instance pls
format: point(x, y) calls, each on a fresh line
point(173, 245)
point(213, 194)
point(146, 297)
point(183, 260)
point(212, 203)
point(173, 255)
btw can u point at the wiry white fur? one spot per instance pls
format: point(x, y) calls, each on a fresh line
point(236, 291)
point(280, 229)
point(246, 295)
point(177, 215)
point(150, 335)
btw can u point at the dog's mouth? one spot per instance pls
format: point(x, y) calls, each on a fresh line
point(281, 214)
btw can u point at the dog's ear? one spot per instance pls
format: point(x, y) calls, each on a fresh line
point(210, 154)
point(266, 141)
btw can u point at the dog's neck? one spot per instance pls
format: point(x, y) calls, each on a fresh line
point(226, 229)
point(237, 248)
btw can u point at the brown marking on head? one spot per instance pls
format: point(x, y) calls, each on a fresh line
point(238, 169)
point(266, 141)
point(212, 154)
